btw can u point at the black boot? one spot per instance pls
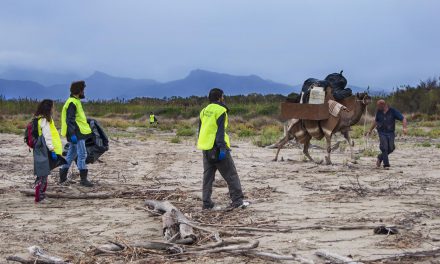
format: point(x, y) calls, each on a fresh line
point(84, 181)
point(63, 175)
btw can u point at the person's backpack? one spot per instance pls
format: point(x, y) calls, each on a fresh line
point(31, 133)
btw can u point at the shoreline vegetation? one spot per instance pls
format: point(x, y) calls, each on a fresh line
point(255, 116)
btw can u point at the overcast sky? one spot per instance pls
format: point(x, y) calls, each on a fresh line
point(381, 43)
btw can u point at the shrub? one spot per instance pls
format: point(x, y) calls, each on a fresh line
point(185, 131)
point(269, 136)
point(175, 140)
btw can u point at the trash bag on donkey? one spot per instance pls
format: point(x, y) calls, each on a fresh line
point(338, 83)
point(96, 145)
point(309, 84)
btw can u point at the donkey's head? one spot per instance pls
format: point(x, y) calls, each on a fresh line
point(364, 98)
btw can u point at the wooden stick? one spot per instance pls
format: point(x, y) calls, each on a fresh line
point(32, 261)
point(186, 230)
point(335, 258)
point(250, 245)
point(71, 196)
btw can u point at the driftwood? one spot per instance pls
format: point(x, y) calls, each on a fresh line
point(39, 257)
point(115, 247)
point(417, 254)
point(30, 261)
point(71, 196)
point(335, 258)
point(104, 195)
point(185, 229)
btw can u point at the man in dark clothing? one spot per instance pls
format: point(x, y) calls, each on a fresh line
point(385, 123)
point(214, 141)
point(75, 128)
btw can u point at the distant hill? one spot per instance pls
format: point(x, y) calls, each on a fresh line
point(103, 86)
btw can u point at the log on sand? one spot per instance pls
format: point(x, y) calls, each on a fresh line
point(71, 196)
point(172, 217)
point(31, 261)
point(335, 258)
point(153, 245)
point(39, 255)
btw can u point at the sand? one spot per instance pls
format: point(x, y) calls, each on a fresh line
point(331, 207)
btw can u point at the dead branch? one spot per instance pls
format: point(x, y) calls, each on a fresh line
point(71, 196)
point(415, 254)
point(335, 258)
point(31, 261)
point(248, 246)
point(169, 210)
point(153, 245)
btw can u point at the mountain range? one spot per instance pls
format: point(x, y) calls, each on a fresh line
point(38, 85)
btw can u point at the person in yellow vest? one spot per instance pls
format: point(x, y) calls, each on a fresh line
point(75, 128)
point(153, 119)
point(214, 143)
point(47, 129)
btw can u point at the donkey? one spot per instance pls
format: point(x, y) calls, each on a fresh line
point(304, 130)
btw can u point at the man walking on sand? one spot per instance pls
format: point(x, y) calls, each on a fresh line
point(75, 128)
point(385, 123)
point(214, 142)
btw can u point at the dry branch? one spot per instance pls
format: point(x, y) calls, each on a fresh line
point(170, 211)
point(71, 196)
point(153, 245)
point(335, 258)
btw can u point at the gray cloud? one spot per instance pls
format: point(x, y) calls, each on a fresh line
point(377, 43)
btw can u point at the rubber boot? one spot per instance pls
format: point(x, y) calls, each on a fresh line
point(63, 175)
point(84, 181)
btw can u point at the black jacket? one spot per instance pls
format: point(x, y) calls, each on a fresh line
point(72, 127)
point(220, 142)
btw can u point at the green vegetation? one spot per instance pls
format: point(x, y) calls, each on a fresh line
point(175, 140)
point(270, 135)
point(185, 131)
point(254, 117)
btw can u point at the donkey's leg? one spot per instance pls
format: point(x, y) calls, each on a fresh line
point(328, 139)
point(280, 145)
point(350, 142)
point(306, 149)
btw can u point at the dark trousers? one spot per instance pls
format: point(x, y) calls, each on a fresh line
point(386, 147)
point(40, 188)
point(228, 171)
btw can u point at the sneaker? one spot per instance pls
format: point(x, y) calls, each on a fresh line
point(243, 205)
point(386, 167)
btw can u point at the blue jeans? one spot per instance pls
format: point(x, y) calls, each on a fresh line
point(386, 147)
point(77, 150)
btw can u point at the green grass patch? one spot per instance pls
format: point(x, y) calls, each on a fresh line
point(185, 132)
point(176, 140)
point(270, 135)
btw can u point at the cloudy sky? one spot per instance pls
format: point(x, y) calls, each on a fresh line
point(381, 43)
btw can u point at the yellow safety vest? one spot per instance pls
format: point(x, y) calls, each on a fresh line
point(56, 140)
point(80, 117)
point(151, 118)
point(208, 128)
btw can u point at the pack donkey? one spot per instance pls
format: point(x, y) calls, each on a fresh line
point(304, 130)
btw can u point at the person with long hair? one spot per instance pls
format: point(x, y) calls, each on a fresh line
point(46, 129)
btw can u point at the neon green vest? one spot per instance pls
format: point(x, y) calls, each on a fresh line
point(80, 117)
point(56, 140)
point(208, 128)
point(151, 118)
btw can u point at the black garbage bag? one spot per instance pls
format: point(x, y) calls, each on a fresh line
point(309, 84)
point(96, 145)
point(341, 94)
point(337, 81)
